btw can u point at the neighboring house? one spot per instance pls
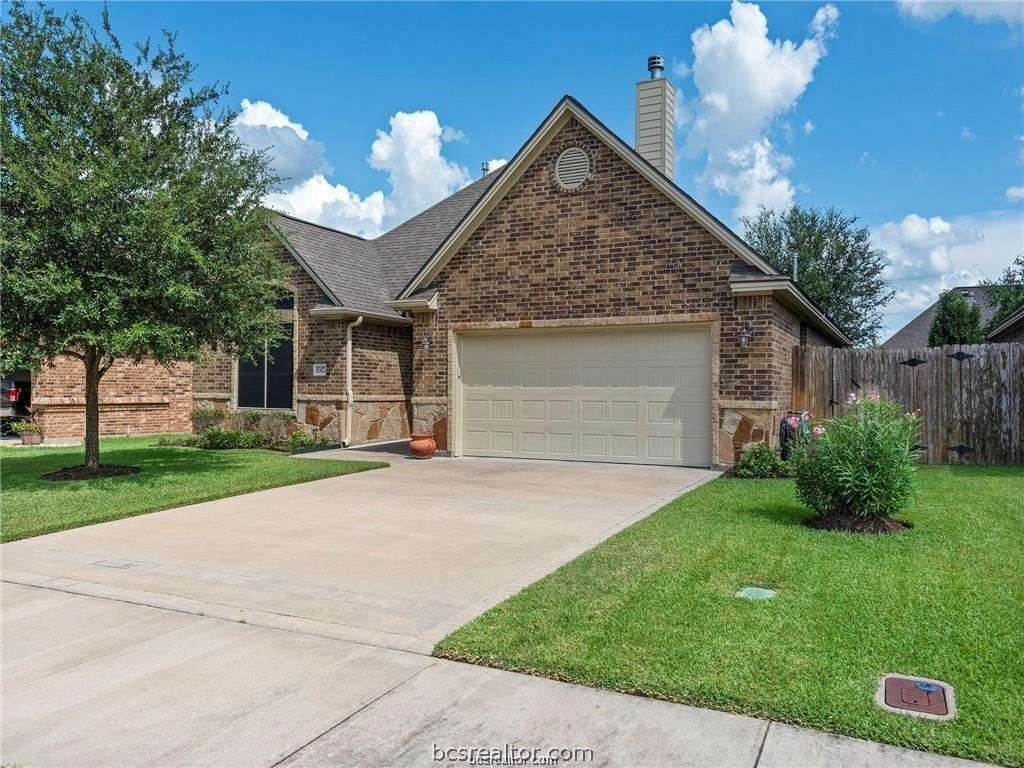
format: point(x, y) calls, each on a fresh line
point(915, 333)
point(574, 304)
point(1011, 329)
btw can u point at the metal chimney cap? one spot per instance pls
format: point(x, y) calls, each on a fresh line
point(655, 65)
point(485, 167)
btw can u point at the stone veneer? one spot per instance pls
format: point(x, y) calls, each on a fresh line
point(612, 249)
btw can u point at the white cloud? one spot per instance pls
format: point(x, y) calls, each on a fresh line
point(746, 81)
point(263, 113)
point(967, 133)
point(495, 163)
point(333, 205)
point(980, 10)
point(681, 69)
point(866, 158)
point(932, 254)
point(808, 128)
point(409, 153)
point(1014, 194)
point(294, 156)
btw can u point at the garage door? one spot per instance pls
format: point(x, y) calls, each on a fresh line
point(628, 396)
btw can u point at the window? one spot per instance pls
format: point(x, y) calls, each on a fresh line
point(285, 302)
point(267, 383)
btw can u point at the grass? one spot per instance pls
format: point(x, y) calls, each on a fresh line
point(170, 477)
point(652, 612)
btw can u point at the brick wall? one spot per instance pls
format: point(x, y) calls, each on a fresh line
point(133, 398)
point(615, 247)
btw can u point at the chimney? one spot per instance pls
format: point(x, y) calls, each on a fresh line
point(656, 118)
point(485, 168)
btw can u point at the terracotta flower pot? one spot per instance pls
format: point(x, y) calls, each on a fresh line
point(31, 438)
point(422, 445)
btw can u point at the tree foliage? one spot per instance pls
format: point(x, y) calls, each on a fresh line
point(1008, 295)
point(131, 220)
point(837, 267)
point(956, 321)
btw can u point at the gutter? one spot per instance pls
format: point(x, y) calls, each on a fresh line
point(349, 396)
point(329, 312)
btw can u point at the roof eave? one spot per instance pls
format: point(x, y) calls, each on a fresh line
point(1007, 324)
point(341, 313)
point(784, 290)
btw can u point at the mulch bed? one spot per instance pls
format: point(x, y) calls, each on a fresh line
point(84, 473)
point(852, 524)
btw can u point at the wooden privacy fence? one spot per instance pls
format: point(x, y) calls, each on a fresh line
point(969, 397)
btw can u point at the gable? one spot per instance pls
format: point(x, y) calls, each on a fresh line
point(568, 109)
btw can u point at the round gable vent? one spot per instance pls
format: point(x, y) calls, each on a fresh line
point(572, 168)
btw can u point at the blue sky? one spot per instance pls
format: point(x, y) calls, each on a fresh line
point(909, 115)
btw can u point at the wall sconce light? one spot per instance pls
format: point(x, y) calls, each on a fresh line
point(746, 334)
point(428, 337)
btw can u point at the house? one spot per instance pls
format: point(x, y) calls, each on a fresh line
point(915, 333)
point(1010, 330)
point(573, 304)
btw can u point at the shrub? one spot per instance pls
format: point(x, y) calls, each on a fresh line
point(188, 441)
point(273, 427)
point(26, 427)
point(860, 464)
point(299, 439)
point(761, 462)
point(218, 439)
point(243, 421)
point(204, 418)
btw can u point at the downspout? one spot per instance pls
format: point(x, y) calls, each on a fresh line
point(349, 396)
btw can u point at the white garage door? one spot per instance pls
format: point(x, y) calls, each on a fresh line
point(629, 396)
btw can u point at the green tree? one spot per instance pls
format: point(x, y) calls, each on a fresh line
point(132, 222)
point(956, 321)
point(837, 267)
point(1008, 295)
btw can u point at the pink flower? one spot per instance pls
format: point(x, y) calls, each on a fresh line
point(851, 398)
point(874, 396)
point(819, 430)
point(793, 421)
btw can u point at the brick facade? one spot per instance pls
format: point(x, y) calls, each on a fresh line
point(381, 370)
point(134, 398)
point(615, 247)
point(613, 251)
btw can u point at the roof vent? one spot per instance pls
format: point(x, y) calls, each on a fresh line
point(572, 168)
point(655, 65)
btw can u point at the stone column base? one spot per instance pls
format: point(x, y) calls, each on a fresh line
point(742, 424)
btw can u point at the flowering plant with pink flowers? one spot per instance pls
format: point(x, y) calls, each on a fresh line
point(860, 464)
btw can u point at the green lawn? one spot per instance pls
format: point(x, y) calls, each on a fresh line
point(170, 477)
point(652, 612)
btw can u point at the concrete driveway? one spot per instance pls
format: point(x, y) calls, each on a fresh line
point(292, 627)
point(396, 557)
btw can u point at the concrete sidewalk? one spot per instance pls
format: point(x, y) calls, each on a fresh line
point(96, 682)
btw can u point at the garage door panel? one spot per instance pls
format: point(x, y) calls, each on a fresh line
point(634, 395)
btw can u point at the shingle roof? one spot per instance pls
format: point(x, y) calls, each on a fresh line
point(407, 247)
point(1007, 326)
point(363, 274)
point(915, 333)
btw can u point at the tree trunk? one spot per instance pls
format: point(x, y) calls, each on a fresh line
point(92, 408)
